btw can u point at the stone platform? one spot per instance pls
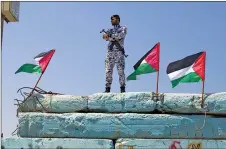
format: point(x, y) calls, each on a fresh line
point(68, 143)
point(136, 102)
point(169, 144)
point(132, 120)
point(60, 143)
point(124, 125)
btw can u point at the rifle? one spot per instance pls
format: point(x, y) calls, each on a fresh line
point(115, 43)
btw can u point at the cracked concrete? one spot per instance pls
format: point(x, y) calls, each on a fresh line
point(55, 103)
point(126, 143)
point(139, 102)
point(124, 125)
point(169, 144)
point(125, 118)
point(53, 143)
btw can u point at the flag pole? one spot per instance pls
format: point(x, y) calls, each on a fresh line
point(34, 87)
point(203, 86)
point(36, 84)
point(40, 77)
point(203, 83)
point(157, 84)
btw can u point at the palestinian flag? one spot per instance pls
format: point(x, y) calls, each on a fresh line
point(187, 70)
point(42, 61)
point(149, 63)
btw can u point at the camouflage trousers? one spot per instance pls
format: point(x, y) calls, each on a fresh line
point(112, 58)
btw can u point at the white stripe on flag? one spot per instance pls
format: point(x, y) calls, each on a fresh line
point(144, 61)
point(180, 73)
point(38, 59)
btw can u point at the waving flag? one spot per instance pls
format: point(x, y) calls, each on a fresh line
point(42, 61)
point(187, 70)
point(149, 63)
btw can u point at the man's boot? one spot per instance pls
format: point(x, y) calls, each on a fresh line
point(107, 89)
point(122, 89)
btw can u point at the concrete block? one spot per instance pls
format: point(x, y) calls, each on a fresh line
point(216, 103)
point(138, 102)
point(127, 102)
point(54, 103)
point(143, 102)
point(180, 103)
point(169, 144)
point(56, 143)
point(191, 103)
point(124, 125)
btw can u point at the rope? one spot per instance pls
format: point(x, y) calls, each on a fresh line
point(13, 133)
point(204, 121)
point(204, 109)
point(38, 90)
point(26, 95)
point(41, 104)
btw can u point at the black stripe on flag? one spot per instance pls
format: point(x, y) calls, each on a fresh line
point(183, 63)
point(42, 54)
point(139, 62)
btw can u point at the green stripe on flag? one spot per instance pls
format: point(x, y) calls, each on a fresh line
point(144, 68)
point(29, 68)
point(189, 78)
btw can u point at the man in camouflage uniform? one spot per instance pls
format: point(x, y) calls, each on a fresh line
point(115, 53)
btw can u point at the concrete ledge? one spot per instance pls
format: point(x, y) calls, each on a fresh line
point(114, 126)
point(169, 144)
point(139, 102)
point(54, 143)
point(126, 102)
point(191, 103)
point(142, 102)
point(55, 103)
point(216, 102)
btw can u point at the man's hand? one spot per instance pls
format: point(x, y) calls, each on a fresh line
point(105, 36)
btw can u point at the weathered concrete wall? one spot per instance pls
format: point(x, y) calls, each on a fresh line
point(143, 102)
point(138, 102)
point(127, 102)
point(130, 129)
point(55, 103)
point(114, 126)
point(216, 102)
point(54, 143)
point(169, 144)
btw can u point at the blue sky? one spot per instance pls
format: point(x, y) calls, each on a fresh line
point(77, 68)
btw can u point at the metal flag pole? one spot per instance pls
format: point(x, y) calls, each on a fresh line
point(203, 82)
point(203, 87)
point(157, 84)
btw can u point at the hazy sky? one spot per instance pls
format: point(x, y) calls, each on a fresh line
point(77, 68)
